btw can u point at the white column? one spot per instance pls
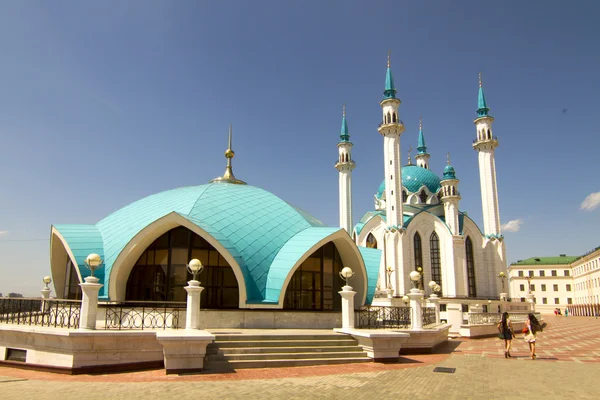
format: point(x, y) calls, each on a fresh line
point(89, 302)
point(435, 300)
point(347, 307)
point(416, 320)
point(192, 312)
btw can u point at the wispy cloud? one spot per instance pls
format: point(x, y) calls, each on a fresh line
point(512, 226)
point(2, 233)
point(591, 202)
point(107, 103)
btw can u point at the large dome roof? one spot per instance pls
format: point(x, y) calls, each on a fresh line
point(413, 178)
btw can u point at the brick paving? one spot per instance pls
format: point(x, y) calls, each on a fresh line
point(567, 366)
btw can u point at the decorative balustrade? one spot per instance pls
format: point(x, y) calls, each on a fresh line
point(381, 317)
point(58, 313)
point(484, 318)
point(143, 315)
point(428, 316)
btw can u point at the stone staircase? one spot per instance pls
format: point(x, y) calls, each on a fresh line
point(232, 351)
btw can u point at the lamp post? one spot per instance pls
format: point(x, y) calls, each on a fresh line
point(194, 290)
point(529, 295)
point(503, 294)
point(90, 289)
point(46, 290)
point(388, 287)
point(347, 299)
point(434, 299)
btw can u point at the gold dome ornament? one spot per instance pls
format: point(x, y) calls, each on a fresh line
point(228, 176)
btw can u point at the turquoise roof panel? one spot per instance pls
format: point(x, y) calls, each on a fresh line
point(344, 135)
point(422, 148)
point(413, 178)
point(482, 108)
point(84, 240)
point(287, 257)
point(449, 172)
point(390, 88)
point(372, 259)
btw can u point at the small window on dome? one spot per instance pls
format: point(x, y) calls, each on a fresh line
point(404, 196)
point(423, 197)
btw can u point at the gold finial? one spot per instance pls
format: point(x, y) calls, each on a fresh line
point(409, 151)
point(448, 158)
point(480, 79)
point(389, 52)
point(420, 123)
point(228, 176)
point(344, 110)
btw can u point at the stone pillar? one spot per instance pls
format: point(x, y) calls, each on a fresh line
point(503, 296)
point(529, 297)
point(435, 300)
point(45, 296)
point(192, 312)
point(347, 307)
point(416, 320)
point(89, 302)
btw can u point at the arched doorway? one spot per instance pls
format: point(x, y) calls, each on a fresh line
point(371, 241)
point(316, 282)
point(160, 273)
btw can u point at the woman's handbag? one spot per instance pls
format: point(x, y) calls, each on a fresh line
point(525, 330)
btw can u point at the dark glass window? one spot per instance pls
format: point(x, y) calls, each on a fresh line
point(315, 283)
point(423, 197)
point(542, 273)
point(404, 196)
point(434, 254)
point(418, 251)
point(160, 273)
point(72, 288)
point(566, 272)
point(371, 241)
point(554, 272)
point(520, 273)
point(470, 268)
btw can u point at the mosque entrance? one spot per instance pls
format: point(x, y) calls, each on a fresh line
point(160, 273)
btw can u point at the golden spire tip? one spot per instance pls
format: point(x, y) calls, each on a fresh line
point(480, 80)
point(389, 52)
point(344, 110)
point(420, 123)
point(448, 158)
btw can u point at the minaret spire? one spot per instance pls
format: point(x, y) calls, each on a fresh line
point(345, 165)
point(390, 89)
point(228, 176)
point(482, 108)
point(422, 156)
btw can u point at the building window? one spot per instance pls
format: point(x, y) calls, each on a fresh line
point(465, 307)
point(568, 288)
point(442, 307)
point(72, 288)
point(544, 300)
point(555, 287)
point(554, 272)
point(522, 288)
point(371, 241)
point(423, 197)
point(532, 287)
point(522, 299)
point(160, 273)
point(543, 288)
point(418, 255)
point(470, 267)
point(556, 300)
point(434, 254)
point(542, 273)
point(404, 196)
point(520, 273)
point(566, 272)
point(569, 300)
point(530, 273)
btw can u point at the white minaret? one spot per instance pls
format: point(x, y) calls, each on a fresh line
point(345, 165)
point(422, 156)
point(450, 198)
point(485, 144)
point(391, 129)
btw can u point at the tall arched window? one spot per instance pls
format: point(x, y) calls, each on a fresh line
point(423, 197)
point(160, 273)
point(470, 268)
point(434, 254)
point(418, 251)
point(371, 241)
point(404, 196)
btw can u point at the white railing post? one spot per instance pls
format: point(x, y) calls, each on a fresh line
point(347, 307)
point(192, 312)
point(89, 302)
point(415, 297)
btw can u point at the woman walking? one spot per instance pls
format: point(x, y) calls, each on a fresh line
point(506, 333)
point(533, 327)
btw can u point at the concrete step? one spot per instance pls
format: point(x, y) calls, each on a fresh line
point(218, 366)
point(242, 342)
point(284, 356)
point(277, 336)
point(213, 350)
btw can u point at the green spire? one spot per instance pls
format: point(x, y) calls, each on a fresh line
point(449, 172)
point(344, 135)
point(390, 89)
point(421, 148)
point(482, 108)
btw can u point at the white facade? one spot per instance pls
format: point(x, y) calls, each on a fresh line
point(586, 278)
point(345, 165)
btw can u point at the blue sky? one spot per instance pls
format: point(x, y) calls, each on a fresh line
point(104, 103)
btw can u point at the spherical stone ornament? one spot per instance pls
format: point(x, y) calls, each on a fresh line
point(414, 276)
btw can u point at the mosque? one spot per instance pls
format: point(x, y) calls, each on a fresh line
point(261, 252)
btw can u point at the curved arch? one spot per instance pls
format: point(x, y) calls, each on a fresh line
point(126, 260)
point(60, 252)
point(350, 255)
point(371, 226)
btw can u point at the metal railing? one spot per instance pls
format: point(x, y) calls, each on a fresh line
point(494, 318)
point(57, 313)
point(381, 317)
point(143, 315)
point(428, 316)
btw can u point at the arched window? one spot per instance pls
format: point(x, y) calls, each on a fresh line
point(394, 117)
point(404, 196)
point(389, 117)
point(315, 283)
point(489, 134)
point(470, 268)
point(72, 288)
point(423, 197)
point(418, 251)
point(371, 241)
point(434, 255)
point(160, 273)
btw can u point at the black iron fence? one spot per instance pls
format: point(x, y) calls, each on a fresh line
point(143, 315)
point(58, 313)
point(380, 317)
point(429, 316)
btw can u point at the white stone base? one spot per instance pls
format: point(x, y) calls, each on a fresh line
point(379, 345)
point(425, 340)
point(184, 350)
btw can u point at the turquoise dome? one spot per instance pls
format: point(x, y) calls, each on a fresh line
point(413, 178)
point(449, 172)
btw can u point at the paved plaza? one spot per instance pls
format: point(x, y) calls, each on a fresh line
point(568, 366)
